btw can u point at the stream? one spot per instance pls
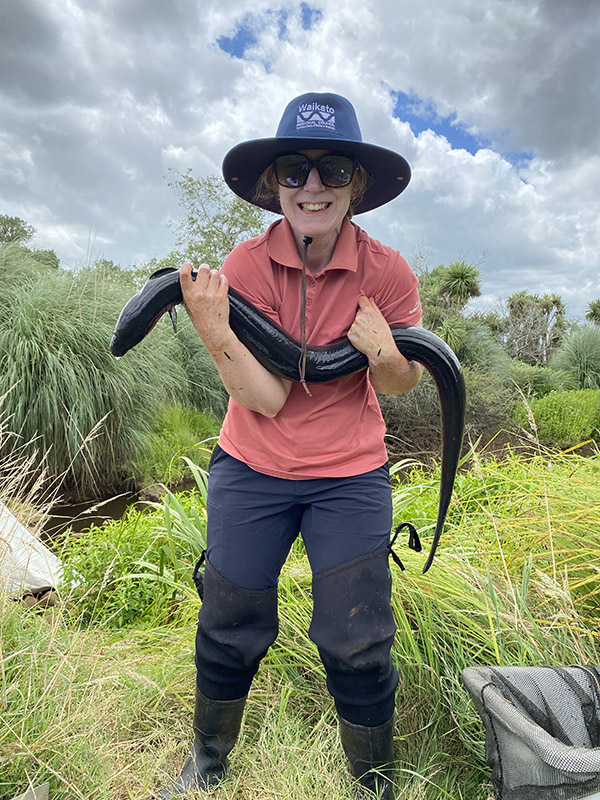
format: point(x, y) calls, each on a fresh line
point(80, 516)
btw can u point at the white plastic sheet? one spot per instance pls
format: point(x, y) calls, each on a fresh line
point(25, 563)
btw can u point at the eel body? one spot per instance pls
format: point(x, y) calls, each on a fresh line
point(281, 353)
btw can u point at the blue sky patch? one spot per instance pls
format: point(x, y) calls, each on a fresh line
point(246, 31)
point(309, 16)
point(422, 116)
point(243, 38)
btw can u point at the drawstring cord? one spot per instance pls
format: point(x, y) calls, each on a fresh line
point(302, 360)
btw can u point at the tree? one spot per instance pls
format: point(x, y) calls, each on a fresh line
point(216, 220)
point(533, 326)
point(14, 230)
point(445, 291)
point(593, 311)
point(460, 282)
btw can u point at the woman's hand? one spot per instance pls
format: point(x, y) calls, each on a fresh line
point(207, 304)
point(370, 332)
point(389, 371)
point(245, 379)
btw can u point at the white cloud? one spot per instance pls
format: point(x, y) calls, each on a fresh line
point(118, 93)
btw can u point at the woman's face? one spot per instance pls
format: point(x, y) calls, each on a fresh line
point(313, 209)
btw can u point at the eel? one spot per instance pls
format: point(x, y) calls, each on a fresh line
point(280, 353)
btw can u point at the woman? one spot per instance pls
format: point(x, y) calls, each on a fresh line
point(297, 457)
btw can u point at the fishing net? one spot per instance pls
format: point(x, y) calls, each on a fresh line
point(542, 727)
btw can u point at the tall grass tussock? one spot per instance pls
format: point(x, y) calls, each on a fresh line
point(97, 698)
point(67, 396)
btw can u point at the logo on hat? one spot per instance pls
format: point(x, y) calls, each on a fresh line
point(313, 115)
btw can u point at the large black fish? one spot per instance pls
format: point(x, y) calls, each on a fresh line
point(281, 353)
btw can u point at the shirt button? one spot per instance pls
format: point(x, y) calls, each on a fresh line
point(308, 301)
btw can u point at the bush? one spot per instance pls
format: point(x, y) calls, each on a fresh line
point(413, 419)
point(538, 381)
point(480, 350)
point(579, 354)
point(565, 419)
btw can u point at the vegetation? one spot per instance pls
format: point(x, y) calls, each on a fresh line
point(564, 419)
point(579, 355)
point(176, 432)
point(593, 311)
point(102, 422)
point(94, 417)
point(14, 230)
point(215, 220)
point(96, 695)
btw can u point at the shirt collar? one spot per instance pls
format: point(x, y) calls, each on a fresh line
point(282, 247)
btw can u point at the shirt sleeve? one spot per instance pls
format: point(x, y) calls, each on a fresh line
point(397, 296)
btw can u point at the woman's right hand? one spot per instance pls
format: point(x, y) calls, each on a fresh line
point(246, 380)
point(207, 303)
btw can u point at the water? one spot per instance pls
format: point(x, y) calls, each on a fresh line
point(80, 516)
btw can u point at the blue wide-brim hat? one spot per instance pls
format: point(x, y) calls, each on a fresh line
point(317, 121)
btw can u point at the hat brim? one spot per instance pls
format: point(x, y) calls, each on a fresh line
point(244, 164)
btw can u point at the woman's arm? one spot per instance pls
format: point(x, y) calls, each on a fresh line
point(389, 371)
point(246, 380)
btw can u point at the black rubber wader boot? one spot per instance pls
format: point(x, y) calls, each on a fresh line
point(353, 627)
point(370, 753)
point(236, 626)
point(216, 727)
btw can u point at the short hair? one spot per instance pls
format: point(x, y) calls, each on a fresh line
point(266, 191)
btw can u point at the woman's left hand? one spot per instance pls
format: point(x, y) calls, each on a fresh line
point(389, 371)
point(370, 332)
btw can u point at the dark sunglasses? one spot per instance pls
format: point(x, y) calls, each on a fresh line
point(335, 171)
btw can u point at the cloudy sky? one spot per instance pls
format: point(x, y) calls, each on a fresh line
point(494, 103)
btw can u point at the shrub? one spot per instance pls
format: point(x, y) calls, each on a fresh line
point(538, 381)
point(565, 419)
point(413, 419)
point(480, 350)
point(579, 354)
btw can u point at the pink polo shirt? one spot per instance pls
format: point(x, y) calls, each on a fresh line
point(339, 430)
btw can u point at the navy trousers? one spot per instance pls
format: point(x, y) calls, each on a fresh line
point(253, 520)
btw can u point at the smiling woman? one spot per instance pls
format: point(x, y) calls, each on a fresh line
point(298, 456)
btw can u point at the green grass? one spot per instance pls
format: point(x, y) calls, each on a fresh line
point(104, 711)
point(175, 432)
point(100, 421)
point(564, 419)
point(67, 396)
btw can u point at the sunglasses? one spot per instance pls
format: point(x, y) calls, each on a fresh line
point(335, 171)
